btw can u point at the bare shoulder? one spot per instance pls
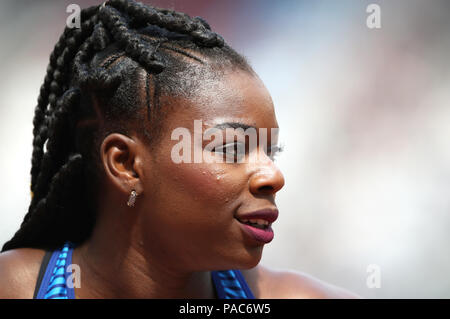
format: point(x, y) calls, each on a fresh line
point(19, 269)
point(267, 283)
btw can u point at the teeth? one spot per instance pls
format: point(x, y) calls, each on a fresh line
point(261, 222)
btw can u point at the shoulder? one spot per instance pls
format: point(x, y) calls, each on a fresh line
point(19, 269)
point(267, 283)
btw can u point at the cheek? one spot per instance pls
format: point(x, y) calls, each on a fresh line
point(207, 183)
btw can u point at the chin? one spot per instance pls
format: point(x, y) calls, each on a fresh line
point(250, 258)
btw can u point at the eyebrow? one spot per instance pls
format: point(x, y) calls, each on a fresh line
point(234, 125)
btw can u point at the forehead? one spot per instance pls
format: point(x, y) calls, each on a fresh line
point(237, 97)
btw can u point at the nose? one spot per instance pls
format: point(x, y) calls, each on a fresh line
point(267, 180)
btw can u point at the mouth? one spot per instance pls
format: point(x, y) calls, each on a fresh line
point(257, 225)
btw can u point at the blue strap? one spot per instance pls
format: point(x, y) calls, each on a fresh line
point(230, 284)
point(48, 274)
point(244, 285)
point(54, 282)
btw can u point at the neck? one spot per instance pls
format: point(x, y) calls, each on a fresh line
point(115, 264)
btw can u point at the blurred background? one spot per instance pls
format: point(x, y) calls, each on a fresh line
point(364, 118)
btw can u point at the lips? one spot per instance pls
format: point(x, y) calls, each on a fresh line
point(257, 224)
point(269, 215)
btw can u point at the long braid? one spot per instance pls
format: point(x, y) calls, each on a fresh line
point(46, 211)
point(48, 93)
point(41, 162)
point(92, 88)
point(57, 146)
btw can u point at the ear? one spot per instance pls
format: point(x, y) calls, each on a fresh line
point(122, 162)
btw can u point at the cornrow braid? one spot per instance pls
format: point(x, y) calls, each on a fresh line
point(134, 46)
point(93, 87)
point(171, 20)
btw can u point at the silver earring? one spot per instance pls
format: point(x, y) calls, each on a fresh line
point(132, 198)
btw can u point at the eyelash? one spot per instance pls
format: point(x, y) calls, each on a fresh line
point(273, 151)
point(278, 150)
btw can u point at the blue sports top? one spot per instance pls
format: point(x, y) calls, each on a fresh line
point(54, 276)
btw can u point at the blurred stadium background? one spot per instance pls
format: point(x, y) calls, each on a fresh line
point(364, 118)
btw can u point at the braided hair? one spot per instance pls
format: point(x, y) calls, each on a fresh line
point(93, 87)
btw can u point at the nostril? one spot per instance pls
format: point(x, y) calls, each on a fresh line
point(265, 188)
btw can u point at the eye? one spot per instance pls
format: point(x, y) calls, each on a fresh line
point(233, 152)
point(274, 151)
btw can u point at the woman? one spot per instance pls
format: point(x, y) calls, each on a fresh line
point(108, 198)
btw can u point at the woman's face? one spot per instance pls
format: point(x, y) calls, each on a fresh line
point(190, 209)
